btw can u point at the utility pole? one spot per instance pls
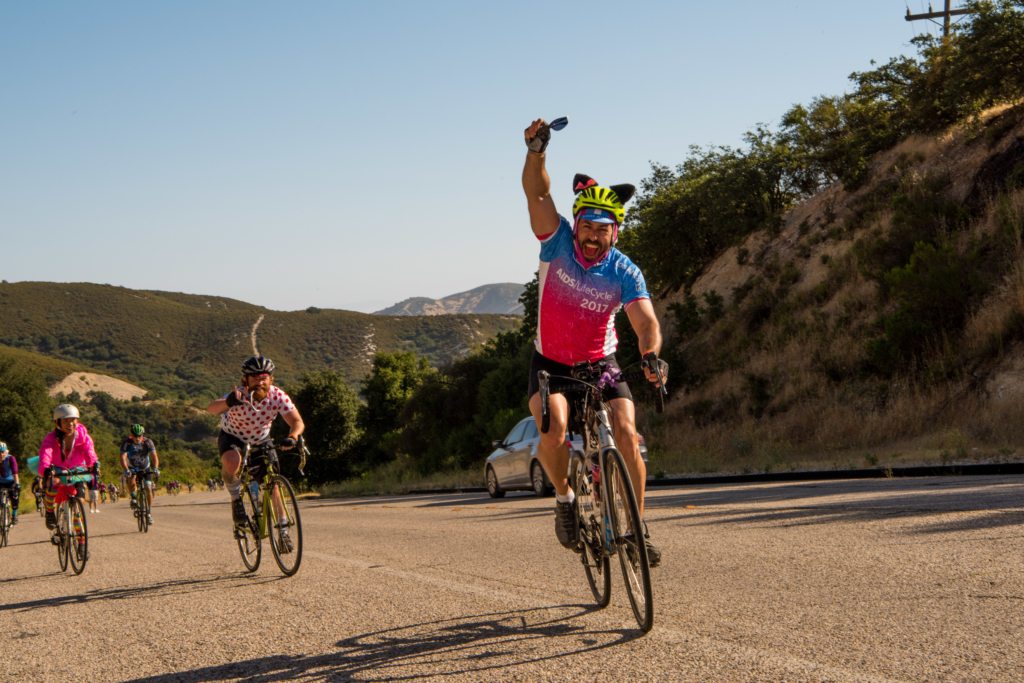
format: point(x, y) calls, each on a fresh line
point(945, 14)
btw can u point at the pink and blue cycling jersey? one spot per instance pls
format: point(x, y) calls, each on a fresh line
point(577, 304)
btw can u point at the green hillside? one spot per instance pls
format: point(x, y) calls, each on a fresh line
point(182, 345)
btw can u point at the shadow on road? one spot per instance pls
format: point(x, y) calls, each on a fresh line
point(938, 503)
point(161, 589)
point(476, 644)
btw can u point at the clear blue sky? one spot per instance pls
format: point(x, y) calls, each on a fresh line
point(353, 154)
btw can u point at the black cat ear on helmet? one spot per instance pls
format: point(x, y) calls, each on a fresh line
point(581, 182)
point(624, 191)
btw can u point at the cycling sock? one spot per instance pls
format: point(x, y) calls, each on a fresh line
point(235, 489)
point(567, 498)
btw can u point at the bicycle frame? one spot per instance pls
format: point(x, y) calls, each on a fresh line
point(269, 497)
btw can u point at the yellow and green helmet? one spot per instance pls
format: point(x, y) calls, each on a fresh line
point(597, 200)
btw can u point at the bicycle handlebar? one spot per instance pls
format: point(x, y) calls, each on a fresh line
point(608, 377)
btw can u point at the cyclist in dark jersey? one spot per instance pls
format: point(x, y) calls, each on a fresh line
point(583, 281)
point(138, 453)
point(9, 478)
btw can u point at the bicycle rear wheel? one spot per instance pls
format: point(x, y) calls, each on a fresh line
point(595, 561)
point(78, 539)
point(286, 528)
point(248, 536)
point(63, 535)
point(629, 539)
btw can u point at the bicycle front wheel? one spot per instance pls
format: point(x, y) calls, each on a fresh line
point(144, 511)
point(78, 538)
point(63, 533)
point(595, 561)
point(285, 525)
point(248, 535)
point(629, 539)
point(5, 522)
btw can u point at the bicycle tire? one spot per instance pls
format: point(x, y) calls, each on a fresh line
point(629, 538)
point(596, 564)
point(250, 546)
point(293, 528)
point(144, 511)
point(4, 522)
point(63, 535)
point(78, 541)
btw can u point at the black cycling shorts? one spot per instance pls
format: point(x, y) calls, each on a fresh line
point(227, 442)
point(539, 362)
point(258, 462)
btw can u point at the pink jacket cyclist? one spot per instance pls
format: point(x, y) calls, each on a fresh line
point(82, 453)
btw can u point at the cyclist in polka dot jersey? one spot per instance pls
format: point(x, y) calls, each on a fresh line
point(247, 412)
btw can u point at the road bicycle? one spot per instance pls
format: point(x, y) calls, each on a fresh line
point(6, 516)
point(143, 490)
point(608, 515)
point(72, 533)
point(272, 514)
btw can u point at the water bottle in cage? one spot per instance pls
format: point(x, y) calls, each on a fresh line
point(254, 489)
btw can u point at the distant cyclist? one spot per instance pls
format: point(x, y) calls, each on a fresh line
point(247, 411)
point(9, 478)
point(138, 454)
point(583, 282)
point(67, 446)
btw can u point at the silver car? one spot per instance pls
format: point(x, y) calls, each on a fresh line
point(513, 465)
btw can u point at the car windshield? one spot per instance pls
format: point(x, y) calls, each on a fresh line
point(517, 432)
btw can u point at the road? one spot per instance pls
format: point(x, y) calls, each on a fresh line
point(867, 580)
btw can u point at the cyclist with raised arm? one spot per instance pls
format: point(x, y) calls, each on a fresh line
point(138, 454)
point(9, 478)
point(247, 411)
point(67, 446)
point(583, 281)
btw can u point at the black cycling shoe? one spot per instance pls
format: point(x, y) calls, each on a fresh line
point(51, 520)
point(653, 554)
point(238, 512)
point(565, 523)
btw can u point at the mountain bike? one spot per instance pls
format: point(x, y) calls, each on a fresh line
point(6, 516)
point(72, 533)
point(143, 489)
point(274, 514)
point(608, 515)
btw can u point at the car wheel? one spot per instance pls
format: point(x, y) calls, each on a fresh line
point(537, 480)
point(493, 489)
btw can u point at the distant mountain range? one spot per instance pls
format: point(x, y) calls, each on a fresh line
point(501, 298)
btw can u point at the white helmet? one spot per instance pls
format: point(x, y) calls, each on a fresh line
point(65, 410)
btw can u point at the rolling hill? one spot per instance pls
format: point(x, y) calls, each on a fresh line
point(181, 345)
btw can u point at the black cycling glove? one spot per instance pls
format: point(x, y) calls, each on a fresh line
point(539, 142)
point(233, 400)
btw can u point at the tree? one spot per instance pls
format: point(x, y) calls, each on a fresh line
point(330, 409)
point(24, 408)
point(392, 381)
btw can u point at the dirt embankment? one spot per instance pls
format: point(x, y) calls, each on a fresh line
point(84, 382)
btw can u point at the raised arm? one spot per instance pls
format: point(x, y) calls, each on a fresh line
point(537, 185)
